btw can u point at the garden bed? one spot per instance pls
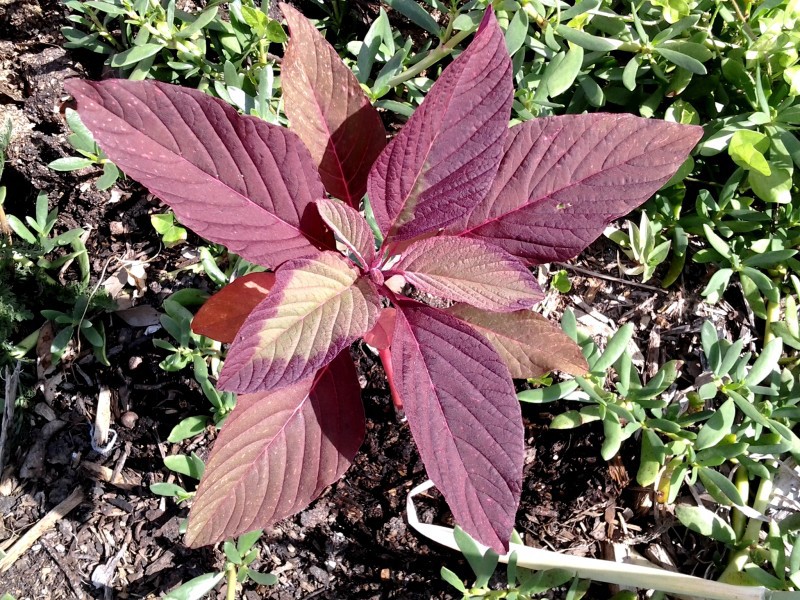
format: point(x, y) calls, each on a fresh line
point(122, 541)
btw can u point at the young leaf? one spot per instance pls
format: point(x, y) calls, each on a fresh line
point(705, 522)
point(350, 227)
point(470, 271)
point(277, 452)
point(196, 588)
point(464, 416)
point(563, 179)
point(317, 307)
point(251, 193)
point(443, 161)
point(329, 111)
point(380, 336)
point(529, 344)
point(224, 313)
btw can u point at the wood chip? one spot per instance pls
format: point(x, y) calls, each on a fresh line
point(45, 524)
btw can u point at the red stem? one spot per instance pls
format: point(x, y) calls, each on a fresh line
point(386, 359)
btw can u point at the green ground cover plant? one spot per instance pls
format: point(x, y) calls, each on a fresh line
point(416, 186)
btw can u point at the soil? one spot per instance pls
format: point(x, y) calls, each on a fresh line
point(353, 542)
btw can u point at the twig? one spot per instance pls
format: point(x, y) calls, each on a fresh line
point(610, 277)
point(74, 582)
point(7, 421)
point(35, 532)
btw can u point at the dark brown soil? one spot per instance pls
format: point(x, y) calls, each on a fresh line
point(354, 541)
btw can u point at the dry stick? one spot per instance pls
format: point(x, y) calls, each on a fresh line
point(610, 277)
point(35, 532)
point(12, 380)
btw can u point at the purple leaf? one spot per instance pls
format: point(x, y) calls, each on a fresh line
point(465, 418)
point(350, 228)
point(443, 162)
point(529, 344)
point(317, 307)
point(277, 452)
point(328, 110)
point(471, 271)
point(563, 179)
point(234, 180)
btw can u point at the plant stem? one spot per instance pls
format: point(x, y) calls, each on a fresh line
point(231, 573)
point(435, 56)
point(773, 315)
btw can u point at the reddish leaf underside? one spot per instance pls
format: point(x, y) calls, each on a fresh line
point(277, 452)
point(443, 161)
point(563, 179)
point(224, 313)
point(235, 180)
point(317, 307)
point(350, 228)
point(465, 418)
point(380, 336)
point(529, 344)
point(329, 111)
point(471, 271)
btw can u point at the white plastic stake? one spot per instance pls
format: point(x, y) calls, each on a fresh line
point(648, 578)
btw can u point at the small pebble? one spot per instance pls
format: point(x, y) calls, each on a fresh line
point(386, 574)
point(128, 419)
point(134, 362)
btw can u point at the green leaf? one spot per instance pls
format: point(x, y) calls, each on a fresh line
point(483, 565)
point(189, 427)
point(231, 553)
point(538, 582)
point(453, 579)
point(614, 349)
point(630, 71)
point(196, 588)
point(765, 363)
point(775, 187)
point(548, 394)
point(571, 419)
point(682, 60)
point(191, 466)
point(378, 33)
point(585, 40)
point(705, 522)
point(262, 578)
point(247, 541)
point(134, 54)
point(717, 427)
point(167, 489)
point(565, 72)
point(717, 285)
point(70, 163)
point(516, 32)
point(652, 457)
point(171, 233)
point(747, 149)
point(416, 14)
point(720, 487)
point(717, 242)
point(199, 22)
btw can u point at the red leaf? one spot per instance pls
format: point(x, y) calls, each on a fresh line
point(529, 344)
point(563, 179)
point(443, 161)
point(350, 228)
point(224, 313)
point(277, 452)
point(380, 336)
point(317, 307)
point(471, 271)
point(329, 111)
point(234, 180)
point(465, 417)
